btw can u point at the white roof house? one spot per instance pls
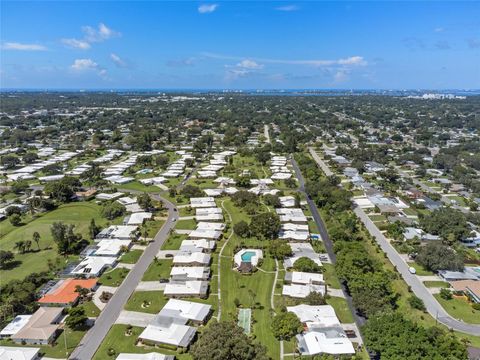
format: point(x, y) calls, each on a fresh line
point(106, 196)
point(50, 178)
point(93, 266)
point(315, 315)
point(287, 201)
point(210, 226)
point(138, 218)
point(122, 232)
point(325, 340)
point(203, 202)
point(301, 250)
point(304, 278)
point(111, 247)
point(205, 234)
point(213, 192)
point(18, 353)
point(187, 310)
point(153, 181)
point(186, 288)
point(126, 200)
point(15, 326)
point(185, 273)
point(294, 215)
point(302, 291)
point(191, 258)
point(281, 176)
point(148, 356)
point(118, 179)
point(200, 244)
point(165, 331)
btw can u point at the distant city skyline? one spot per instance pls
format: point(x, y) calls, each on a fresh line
point(240, 45)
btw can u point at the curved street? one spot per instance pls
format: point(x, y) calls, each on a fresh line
point(88, 346)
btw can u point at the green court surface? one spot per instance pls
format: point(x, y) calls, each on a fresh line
point(244, 319)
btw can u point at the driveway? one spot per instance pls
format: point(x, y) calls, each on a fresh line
point(150, 286)
point(91, 341)
point(96, 297)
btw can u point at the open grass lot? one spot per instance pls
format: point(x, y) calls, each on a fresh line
point(174, 241)
point(410, 212)
point(460, 309)
point(153, 227)
point(138, 186)
point(341, 309)
point(420, 270)
point(330, 276)
point(113, 277)
point(436, 284)
point(118, 341)
point(78, 214)
point(377, 218)
point(131, 257)
point(155, 300)
point(57, 350)
point(157, 270)
point(252, 291)
point(189, 224)
point(91, 310)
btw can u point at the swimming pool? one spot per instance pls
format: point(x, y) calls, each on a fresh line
point(247, 256)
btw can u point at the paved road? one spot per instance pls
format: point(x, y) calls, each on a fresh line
point(432, 305)
point(267, 134)
point(359, 320)
point(320, 162)
point(94, 337)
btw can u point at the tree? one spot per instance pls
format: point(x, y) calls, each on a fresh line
point(144, 201)
point(446, 294)
point(67, 241)
point(225, 340)
point(93, 229)
point(28, 245)
point(243, 181)
point(265, 225)
point(15, 219)
point(243, 198)
point(5, 258)
point(112, 210)
point(20, 246)
point(416, 303)
point(286, 325)
point(9, 161)
point(29, 157)
point(290, 183)
point(436, 256)
point(12, 209)
point(242, 229)
point(315, 298)
point(62, 190)
point(391, 336)
point(305, 264)
point(272, 200)
point(279, 249)
point(36, 238)
point(450, 224)
point(190, 191)
point(76, 318)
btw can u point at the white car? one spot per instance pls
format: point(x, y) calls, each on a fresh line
point(412, 270)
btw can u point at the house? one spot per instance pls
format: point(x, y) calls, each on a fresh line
point(189, 288)
point(302, 291)
point(184, 273)
point(19, 353)
point(191, 258)
point(301, 250)
point(111, 247)
point(14, 326)
point(168, 331)
point(287, 201)
point(193, 312)
point(147, 356)
point(203, 202)
point(42, 327)
point(137, 218)
point(64, 292)
point(107, 196)
point(202, 245)
point(205, 234)
point(471, 288)
point(93, 266)
point(121, 232)
point(315, 315)
point(293, 215)
point(294, 232)
point(208, 214)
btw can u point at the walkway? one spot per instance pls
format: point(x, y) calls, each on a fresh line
point(320, 162)
point(91, 341)
point(220, 255)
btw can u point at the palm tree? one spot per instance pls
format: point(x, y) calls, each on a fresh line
point(28, 245)
point(36, 238)
point(20, 246)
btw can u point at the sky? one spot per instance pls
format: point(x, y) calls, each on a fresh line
point(240, 45)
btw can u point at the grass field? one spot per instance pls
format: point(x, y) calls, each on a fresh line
point(78, 214)
point(154, 301)
point(341, 309)
point(117, 341)
point(131, 257)
point(420, 270)
point(113, 277)
point(189, 224)
point(174, 241)
point(158, 270)
point(331, 278)
point(436, 284)
point(138, 186)
point(460, 308)
point(91, 310)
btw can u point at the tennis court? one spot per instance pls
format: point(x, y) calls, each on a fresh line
point(244, 319)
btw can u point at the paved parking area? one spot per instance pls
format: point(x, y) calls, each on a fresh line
point(134, 318)
point(150, 286)
point(166, 254)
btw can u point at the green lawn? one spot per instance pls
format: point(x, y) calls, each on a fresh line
point(91, 310)
point(420, 270)
point(436, 284)
point(174, 241)
point(189, 224)
point(118, 341)
point(330, 276)
point(157, 270)
point(377, 218)
point(460, 309)
point(409, 212)
point(138, 186)
point(113, 277)
point(341, 309)
point(131, 257)
point(155, 300)
point(153, 227)
point(78, 214)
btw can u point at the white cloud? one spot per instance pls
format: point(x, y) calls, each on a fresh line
point(341, 76)
point(98, 35)
point(207, 8)
point(23, 47)
point(249, 64)
point(287, 8)
point(439, 29)
point(117, 60)
point(84, 64)
point(77, 44)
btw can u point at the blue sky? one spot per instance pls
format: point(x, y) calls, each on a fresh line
point(227, 44)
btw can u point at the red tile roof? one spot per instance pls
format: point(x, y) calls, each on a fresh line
point(64, 292)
